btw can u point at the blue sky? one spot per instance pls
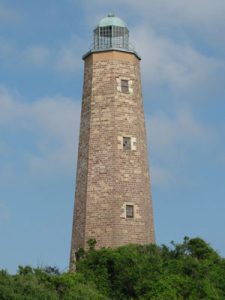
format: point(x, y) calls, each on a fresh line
point(182, 46)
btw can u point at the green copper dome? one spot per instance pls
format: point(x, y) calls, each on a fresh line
point(111, 20)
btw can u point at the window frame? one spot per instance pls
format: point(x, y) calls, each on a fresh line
point(125, 147)
point(124, 84)
point(129, 211)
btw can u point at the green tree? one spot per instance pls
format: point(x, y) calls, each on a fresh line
point(191, 270)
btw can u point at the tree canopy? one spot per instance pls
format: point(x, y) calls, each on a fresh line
point(190, 270)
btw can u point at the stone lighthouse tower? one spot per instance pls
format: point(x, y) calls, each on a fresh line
point(113, 200)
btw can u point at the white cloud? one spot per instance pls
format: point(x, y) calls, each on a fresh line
point(63, 59)
point(173, 138)
point(177, 64)
point(193, 12)
point(37, 55)
point(202, 13)
point(67, 60)
point(59, 118)
point(170, 39)
point(9, 108)
point(68, 57)
point(53, 125)
point(202, 22)
point(166, 131)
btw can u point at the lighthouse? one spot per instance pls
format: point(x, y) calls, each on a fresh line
point(113, 203)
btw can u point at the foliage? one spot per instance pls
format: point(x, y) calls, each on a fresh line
point(191, 270)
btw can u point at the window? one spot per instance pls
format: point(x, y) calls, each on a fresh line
point(124, 86)
point(129, 211)
point(126, 143)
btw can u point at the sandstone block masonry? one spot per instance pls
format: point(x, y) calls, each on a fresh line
point(112, 201)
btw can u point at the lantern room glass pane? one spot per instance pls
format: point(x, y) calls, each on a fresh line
point(111, 37)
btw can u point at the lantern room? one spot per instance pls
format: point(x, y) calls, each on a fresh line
point(111, 33)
